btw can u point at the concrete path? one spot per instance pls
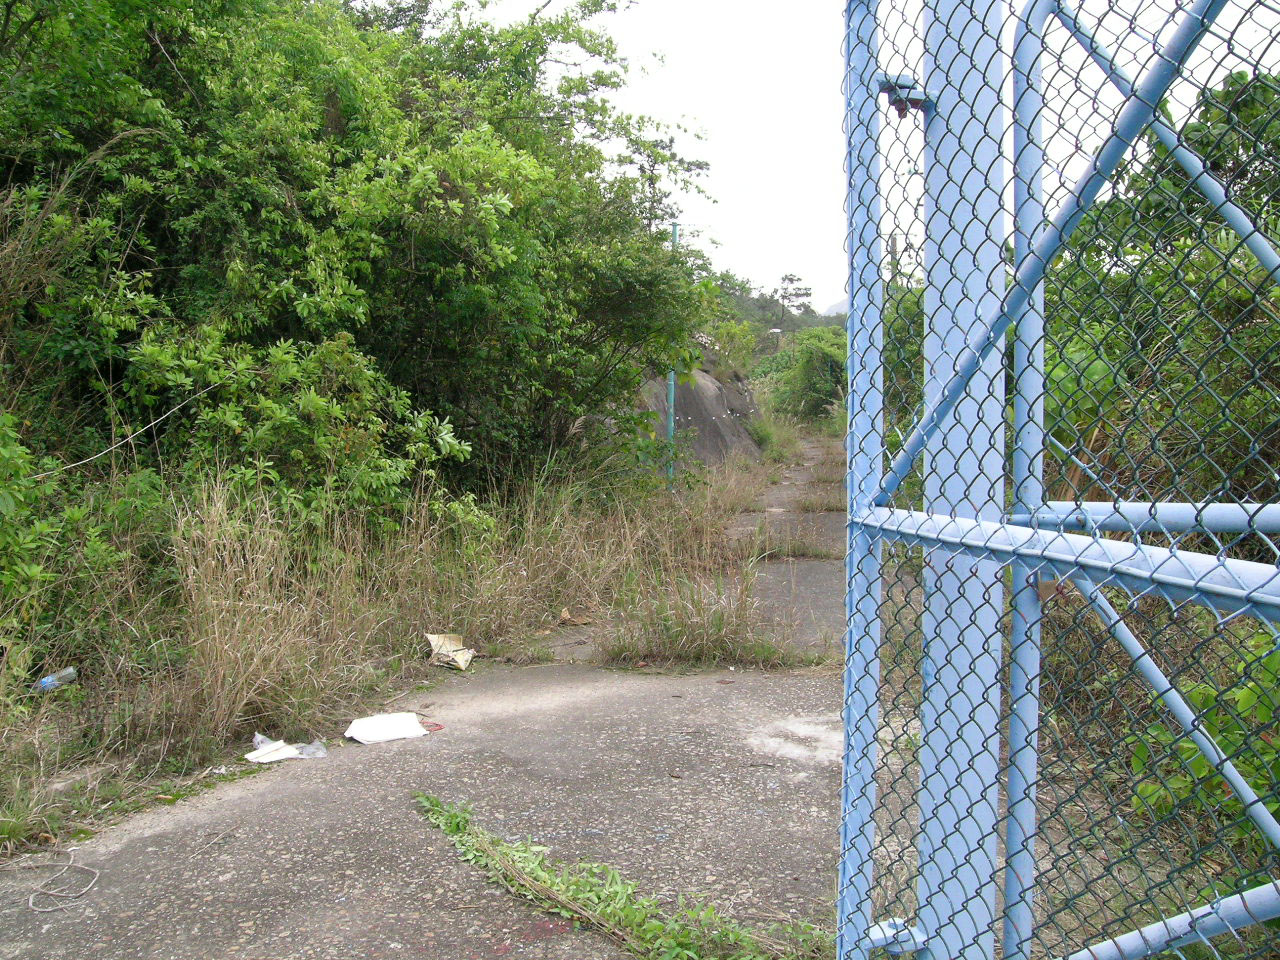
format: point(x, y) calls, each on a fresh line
point(806, 593)
point(720, 784)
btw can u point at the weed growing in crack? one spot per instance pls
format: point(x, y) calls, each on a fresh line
point(598, 897)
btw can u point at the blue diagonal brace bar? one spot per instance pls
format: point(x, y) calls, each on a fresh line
point(1177, 705)
point(1256, 905)
point(1236, 217)
point(1135, 116)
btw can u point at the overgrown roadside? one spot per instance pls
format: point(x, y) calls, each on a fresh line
point(711, 786)
point(250, 626)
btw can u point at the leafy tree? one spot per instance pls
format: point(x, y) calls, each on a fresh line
point(736, 342)
point(322, 238)
point(737, 300)
point(658, 167)
point(793, 296)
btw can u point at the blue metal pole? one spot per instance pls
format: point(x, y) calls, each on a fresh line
point(671, 413)
point(965, 230)
point(1134, 117)
point(1028, 495)
point(671, 395)
point(865, 451)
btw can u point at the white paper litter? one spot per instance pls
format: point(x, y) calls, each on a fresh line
point(266, 750)
point(382, 727)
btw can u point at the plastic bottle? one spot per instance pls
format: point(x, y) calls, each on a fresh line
point(54, 680)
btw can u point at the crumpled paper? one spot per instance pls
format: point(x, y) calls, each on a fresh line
point(266, 750)
point(449, 650)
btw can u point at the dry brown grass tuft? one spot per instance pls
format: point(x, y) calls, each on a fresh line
point(829, 472)
point(557, 546)
point(803, 542)
point(829, 498)
point(273, 632)
point(702, 622)
point(778, 436)
point(31, 254)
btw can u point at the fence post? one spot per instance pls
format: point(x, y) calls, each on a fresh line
point(865, 451)
point(671, 394)
point(1028, 493)
point(964, 470)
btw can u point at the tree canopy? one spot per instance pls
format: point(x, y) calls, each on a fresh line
point(329, 243)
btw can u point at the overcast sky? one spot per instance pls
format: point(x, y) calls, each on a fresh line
point(764, 91)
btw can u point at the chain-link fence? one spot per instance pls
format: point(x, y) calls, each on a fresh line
point(1063, 667)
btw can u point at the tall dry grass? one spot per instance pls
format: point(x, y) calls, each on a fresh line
point(555, 545)
point(777, 434)
point(277, 630)
point(256, 619)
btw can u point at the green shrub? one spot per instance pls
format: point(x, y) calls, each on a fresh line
point(319, 420)
point(1241, 717)
point(1178, 789)
point(1081, 389)
point(26, 537)
point(363, 219)
point(807, 376)
point(777, 435)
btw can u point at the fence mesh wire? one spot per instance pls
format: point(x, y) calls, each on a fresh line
point(1027, 776)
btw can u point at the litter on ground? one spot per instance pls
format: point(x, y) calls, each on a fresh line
point(449, 650)
point(382, 727)
point(266, 750)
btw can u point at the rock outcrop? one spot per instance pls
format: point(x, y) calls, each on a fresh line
point(711, 413)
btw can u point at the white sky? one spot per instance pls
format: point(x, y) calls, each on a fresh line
point(764, 91)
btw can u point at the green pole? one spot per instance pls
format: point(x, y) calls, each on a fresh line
point(671, 393)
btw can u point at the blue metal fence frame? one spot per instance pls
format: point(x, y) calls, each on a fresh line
point(957, 905)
